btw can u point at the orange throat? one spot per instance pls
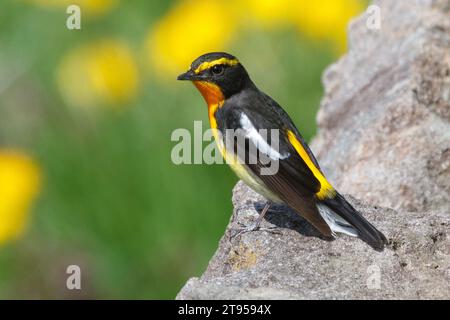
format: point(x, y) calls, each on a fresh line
point(213, 96)
point(210, 92)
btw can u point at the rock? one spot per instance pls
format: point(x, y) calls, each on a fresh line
point(384, 123)
point(295, 263)
point(384, 136)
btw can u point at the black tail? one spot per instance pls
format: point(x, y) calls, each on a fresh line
point(366, 231)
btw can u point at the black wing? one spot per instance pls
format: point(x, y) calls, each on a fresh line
point(293, 182)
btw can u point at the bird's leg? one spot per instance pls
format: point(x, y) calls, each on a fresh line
point(255, 226)
point(266, 208)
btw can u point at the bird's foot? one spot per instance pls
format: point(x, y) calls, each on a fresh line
point(254, 227)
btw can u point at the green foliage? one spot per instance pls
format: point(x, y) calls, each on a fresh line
point(112, 200)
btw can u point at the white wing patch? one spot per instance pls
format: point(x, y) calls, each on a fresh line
point(335, 222)
point(252, 134)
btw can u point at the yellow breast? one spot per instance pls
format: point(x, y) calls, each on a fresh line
point(215, 99)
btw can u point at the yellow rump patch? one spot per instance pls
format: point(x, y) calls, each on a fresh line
point(326, 189)
point(209, 64)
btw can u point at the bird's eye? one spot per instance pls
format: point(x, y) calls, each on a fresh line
point(217, 69)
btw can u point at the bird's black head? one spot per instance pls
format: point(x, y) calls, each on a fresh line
point(220, 69)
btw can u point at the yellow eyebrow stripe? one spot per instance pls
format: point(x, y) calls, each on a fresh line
point(326, 189)
point(209, 64)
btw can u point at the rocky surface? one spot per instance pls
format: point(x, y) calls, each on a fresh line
point(384, 136)
point(291, 261)
point(384, 123)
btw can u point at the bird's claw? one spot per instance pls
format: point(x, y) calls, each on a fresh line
point(255, 227)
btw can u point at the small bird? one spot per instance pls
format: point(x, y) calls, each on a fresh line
point(235, 103)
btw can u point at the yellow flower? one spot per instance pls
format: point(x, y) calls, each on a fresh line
point(194, 27)
point(19, 186)
point(98, 74)
point(268, 13)
point(89, 7)
point(189, 29)
point(326, 19)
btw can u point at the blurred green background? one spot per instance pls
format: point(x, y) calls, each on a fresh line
point(86, 117)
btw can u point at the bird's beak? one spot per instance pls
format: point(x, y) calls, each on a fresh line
point(189, 75)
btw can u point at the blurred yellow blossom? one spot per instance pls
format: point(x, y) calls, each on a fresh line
point(268, 13)
point(320, 20)
point(102, 73)
point(326, 19)
point(19, 186)
point(189, 29)
point(89, 7)
point(194, 27)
